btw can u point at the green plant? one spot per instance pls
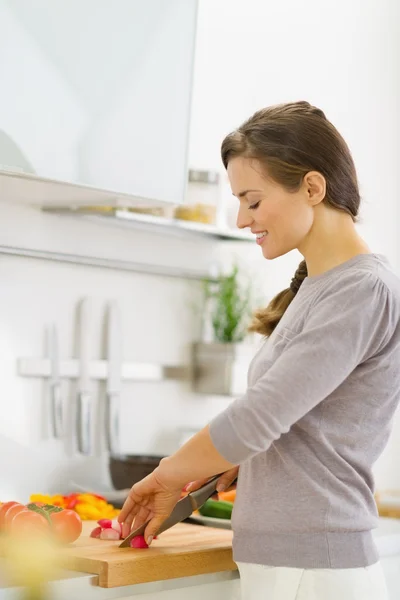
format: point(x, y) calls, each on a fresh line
point(229, 301)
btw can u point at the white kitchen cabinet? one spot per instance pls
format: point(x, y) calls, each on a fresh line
point(98, 94)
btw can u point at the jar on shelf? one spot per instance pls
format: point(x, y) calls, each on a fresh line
point(202, 197)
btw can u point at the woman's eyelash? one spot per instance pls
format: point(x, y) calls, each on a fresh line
point(255, 205)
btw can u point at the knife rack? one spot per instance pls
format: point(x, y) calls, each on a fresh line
point(98, 370)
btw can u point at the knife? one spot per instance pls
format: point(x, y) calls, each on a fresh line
point(183, 509)
point(84, 413)
point(114, 361)
point(55, 384)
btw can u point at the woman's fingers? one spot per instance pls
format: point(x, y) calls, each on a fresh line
point(126, 529)
point(226, 479)
point(223, 484)
point(132, 504)
point(195, 485)
point(153, 527)
point(142, 517)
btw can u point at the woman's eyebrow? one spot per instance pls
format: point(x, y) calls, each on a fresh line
point(242, 194)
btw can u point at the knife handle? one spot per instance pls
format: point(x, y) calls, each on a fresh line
point(200, 496)
point(84, 419)
point(57, 411)
point(112, 423)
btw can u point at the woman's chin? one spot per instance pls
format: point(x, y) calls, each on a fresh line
point(271, 253)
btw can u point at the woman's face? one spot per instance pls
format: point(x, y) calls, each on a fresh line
point(280, 219)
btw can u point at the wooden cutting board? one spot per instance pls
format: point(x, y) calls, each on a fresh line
point(182, 551)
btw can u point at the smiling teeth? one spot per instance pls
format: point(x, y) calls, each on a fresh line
point(260, 235)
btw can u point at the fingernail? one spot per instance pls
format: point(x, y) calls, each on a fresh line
point(149, 540)
point(188, 487)
point(221, 487)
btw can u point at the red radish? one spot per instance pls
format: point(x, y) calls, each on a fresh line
point(116, 526)
point(96, 532)
point(138, 542)
point(110, 534)
point(105, 523)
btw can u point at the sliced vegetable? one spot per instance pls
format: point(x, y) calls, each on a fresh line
point(96, 532)
point(110, 534)
point(116, 525)
point(138, 542)
point(88, 506)
point(229, 496)
point(217, 509)
point(105, 523)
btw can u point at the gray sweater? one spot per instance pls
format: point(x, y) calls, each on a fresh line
point(322, 392)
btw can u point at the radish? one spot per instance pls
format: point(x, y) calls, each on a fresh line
point(105, 523)
point(109, 534)
point(96, 532)
point(116, 526)
point(138, 542)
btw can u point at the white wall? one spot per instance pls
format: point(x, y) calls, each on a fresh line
point(342, 57)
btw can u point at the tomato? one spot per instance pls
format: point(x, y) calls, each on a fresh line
point(3, 509)
point(28, 522)
point(67, 525)
point(10, 514)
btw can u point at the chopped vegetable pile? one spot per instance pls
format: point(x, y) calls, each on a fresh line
point(90, 507)
point(113, 530)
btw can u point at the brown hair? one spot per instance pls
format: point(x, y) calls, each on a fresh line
point(290, 140)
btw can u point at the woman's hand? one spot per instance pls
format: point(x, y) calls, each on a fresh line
point(223, 485)
point(150, 499)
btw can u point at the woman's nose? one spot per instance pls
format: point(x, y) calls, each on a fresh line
point(244, 218)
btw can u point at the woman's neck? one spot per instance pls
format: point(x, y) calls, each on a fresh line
point(332, 240)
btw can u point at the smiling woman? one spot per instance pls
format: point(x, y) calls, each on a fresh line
point(322, 390)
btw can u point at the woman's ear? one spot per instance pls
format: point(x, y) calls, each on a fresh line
point(315, 187)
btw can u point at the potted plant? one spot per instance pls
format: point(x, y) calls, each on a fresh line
point(221, 361)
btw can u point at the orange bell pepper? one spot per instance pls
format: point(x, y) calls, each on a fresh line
point(229, 496)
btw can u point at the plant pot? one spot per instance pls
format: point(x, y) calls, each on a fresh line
point(221, 369)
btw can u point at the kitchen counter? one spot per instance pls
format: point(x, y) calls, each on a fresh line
point(213, 585)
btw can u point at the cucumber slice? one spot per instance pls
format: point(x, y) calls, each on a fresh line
point(217, 509)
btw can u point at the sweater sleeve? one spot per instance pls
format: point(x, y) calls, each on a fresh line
point(350, 322)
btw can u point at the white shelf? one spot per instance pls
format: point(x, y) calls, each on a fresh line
point(78, 200)
point(153, 223)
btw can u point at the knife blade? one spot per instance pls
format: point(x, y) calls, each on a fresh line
point(84, 397)
point(55, 383)
point(114, 362)
point(183, 509)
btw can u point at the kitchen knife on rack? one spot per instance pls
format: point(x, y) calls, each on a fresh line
point(84, 395)
point(114, 364)
point(56, 409)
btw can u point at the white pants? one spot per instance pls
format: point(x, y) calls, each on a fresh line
point(258, 582)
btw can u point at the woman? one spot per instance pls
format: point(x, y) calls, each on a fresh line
point(322, 389)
